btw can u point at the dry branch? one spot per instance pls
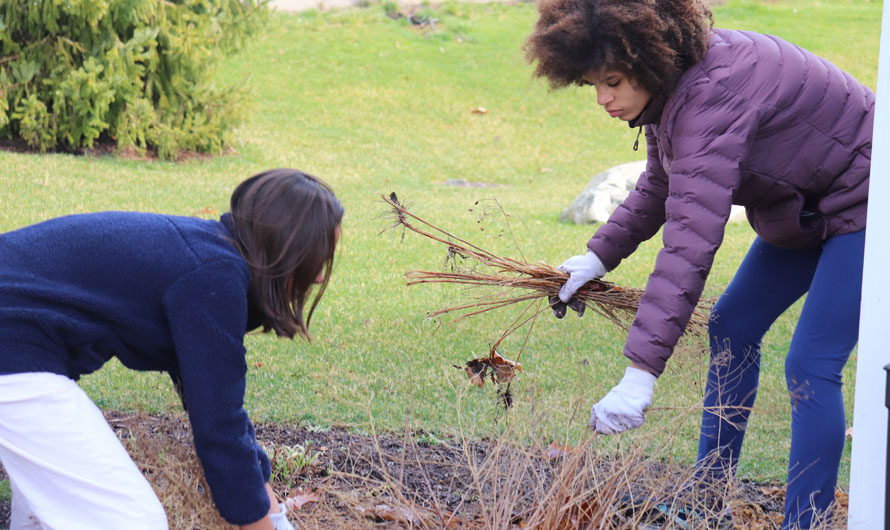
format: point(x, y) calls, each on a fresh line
point(518, 281)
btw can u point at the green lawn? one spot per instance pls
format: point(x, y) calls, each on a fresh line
point(375, 105)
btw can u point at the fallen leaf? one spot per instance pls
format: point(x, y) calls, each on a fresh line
point(578, 514)
point(398, 515)
point(302, 497)
point(556, 450)
point(771, 491)
point(479, 110)
point(412, 517)
point(207, 210)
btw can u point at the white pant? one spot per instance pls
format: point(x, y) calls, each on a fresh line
point(67, 468)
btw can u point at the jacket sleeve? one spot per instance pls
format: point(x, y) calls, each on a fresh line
point(207, 313)
point(709, 137)
point(638, 217)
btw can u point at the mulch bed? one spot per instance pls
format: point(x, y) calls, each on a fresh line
point(350, 480)
point(103, 146)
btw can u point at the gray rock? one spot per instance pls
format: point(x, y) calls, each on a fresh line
point(464, 183)
point(604, 193)
point(608, 189)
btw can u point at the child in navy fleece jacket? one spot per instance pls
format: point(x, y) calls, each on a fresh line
point(174, 294)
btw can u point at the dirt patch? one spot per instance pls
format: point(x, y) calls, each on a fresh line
point(338, 479)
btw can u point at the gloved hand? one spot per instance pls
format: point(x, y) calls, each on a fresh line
point(279, 520)
point(624, 406)
point(581, 270)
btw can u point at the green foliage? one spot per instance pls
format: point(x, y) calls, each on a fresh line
point(135, 71)
point(289, 462)
point(5, 491)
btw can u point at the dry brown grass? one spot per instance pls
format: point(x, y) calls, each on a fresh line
point(392, 481)
point(162, 448)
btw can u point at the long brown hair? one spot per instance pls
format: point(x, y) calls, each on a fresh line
point(651, 41)
point(285, 223)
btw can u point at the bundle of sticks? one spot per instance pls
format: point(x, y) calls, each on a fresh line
point(519, 281)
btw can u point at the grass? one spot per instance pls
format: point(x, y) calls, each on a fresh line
point(375, 105)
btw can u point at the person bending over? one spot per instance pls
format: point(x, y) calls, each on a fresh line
point(158, 292)
point(730, 117)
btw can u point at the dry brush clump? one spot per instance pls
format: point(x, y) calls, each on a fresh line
point(517, 281)
point(504, 282)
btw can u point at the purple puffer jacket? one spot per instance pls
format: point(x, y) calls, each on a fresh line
point(758, 122)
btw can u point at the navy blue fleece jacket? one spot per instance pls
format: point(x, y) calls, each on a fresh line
point(159, 293)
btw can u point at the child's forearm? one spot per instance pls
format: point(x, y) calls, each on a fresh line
point(265, 523)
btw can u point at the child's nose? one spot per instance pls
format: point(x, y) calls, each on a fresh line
point(603, 97)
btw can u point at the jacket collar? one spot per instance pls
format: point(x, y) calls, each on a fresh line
point(226, 221)
point(255, 317)
point(651, 115)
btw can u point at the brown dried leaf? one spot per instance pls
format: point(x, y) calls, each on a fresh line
point(476, 370)
point(207, 210)
point(504, 369)
point(475, 377)
point(479, 110)
point(301, 498)
point(411, 517)
point(398, 515)
point(579, 515)
point(771, 491)
point(556, 450)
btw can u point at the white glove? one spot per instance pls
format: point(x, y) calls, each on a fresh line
point(624, 406)
point(279, 520)
point(581, 270)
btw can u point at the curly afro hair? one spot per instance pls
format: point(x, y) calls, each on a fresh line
point(651, 41)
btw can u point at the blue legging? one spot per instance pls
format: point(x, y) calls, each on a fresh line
point(770, 280)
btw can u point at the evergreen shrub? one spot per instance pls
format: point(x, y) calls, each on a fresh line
point(135, 72)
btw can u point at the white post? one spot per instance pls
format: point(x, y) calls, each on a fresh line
point(869, 459)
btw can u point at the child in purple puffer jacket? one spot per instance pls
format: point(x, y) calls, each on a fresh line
point(731, 117)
